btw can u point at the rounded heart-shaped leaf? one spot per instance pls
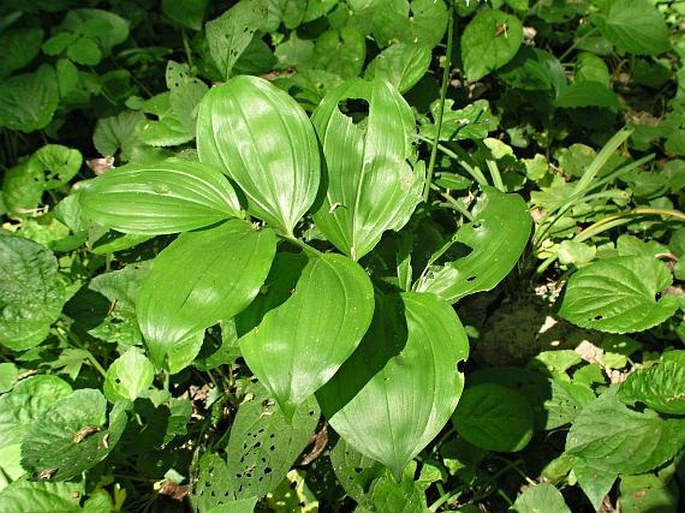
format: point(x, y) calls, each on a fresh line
point(261, 137)
point(618, 295)
point(164, 197)
point(371, 186)
point(300, 345)
point(199, 279)
point(399, 388)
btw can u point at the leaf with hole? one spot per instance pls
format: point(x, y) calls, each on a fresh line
point(165, 197)
point(399, 388)
point(299, 345)
point(262, 139)
point(128, 377)
point(371, 186)
point(497, 237)
point(617, 295)
point(199, 279)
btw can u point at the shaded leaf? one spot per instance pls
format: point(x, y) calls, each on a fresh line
point(475, 121)
point(260, 137)
point(199, 279)
point(633, 26)
point(189, 13)
point(497, 236)
point(355, 472)
point(587, 93)
point(371, 186)
point(399, 388)
point(28, 101)
point(595, 483)
point(18, 47)
point(299, 345)
point(617, 295)
point(166, 197)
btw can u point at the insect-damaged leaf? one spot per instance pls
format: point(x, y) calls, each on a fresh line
point(299, 345)
point(261, 137)
point(399, 388)
point(199, 279)
point(497, 236)
point(164, 197)
point(370, 184)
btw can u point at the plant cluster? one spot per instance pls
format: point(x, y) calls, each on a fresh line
point(342, 255)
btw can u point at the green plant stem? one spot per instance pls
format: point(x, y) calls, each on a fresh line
point(294, 240)
point(93, 361)
point(575, 44)
point(474, 171)
point(186, 48)
point(450, 202)
point(441, 110)
point(495, 175)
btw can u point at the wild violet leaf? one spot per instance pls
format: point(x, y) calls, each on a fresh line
point(166, 197)
point(28, 101)
point(190, 13)
point(633, 26)
point(399, 388)
point(497, 237)
point(608, 436)
point(489, 41)
point(370, 184)
point(617, 295)
point(129, 376)
point(595, 483)
point(401, 64)
point(540, 498)
point(587, 93)
point(73, 435)
point(661, 387)
point(300, 345)
point(42, 497)
point(199, 279)
point(31, 293)
point(262, 139)
point(494, 417)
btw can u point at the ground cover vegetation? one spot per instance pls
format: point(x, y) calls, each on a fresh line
point(342, 255)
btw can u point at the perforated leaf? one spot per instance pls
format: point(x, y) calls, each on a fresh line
point(199, 279)
point(73, 435)
point(399, 388)
point(129, 376)
point(166, 197)
point(497, 236)
point(299, 345)
point(355, 472)
point(617, 295)
point(260, 137)
point(371, 186)
point(31, 295)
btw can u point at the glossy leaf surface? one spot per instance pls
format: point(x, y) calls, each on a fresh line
point(497, 235)
point(618, 295)
point(165, 197)
point(399, 388)
point(199, 279)
point(370, 185)
point(260, 137)
point(300, 345)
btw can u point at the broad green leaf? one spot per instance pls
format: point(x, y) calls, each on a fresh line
point(31, 295)
point(401, 64)
point(237, 506)
point(128, 377)
point(107, 28)
point(116, 133)
point(489, 41)
point(592, 68)
point(8, 376)
point(608, 436)
point(541, 498)
point(185, 93)
point(189, 13)
point(495, 418)
point(340, 51)
point(18, 47)
point(199, 279)
point(262, 447)
point(229, 34)
point(371, 186)
point(633, 26)
point(661, 387)
point(302, 343)
point(497, 236)
point(163, 126)
point(41, 497)
point(355, 472)
point(166, 197)
point(28, 401)
point(533, 69)
point(28, 101)
point(587, 93)
point(261, 138)
point(475, 121)
point(84, 51)
point(647, 493)
point(399, 388)
point(595, 483)
point(618, 295)
point(73, 435)
point(387, 495)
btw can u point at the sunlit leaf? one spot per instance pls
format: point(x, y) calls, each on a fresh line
point(399, 388)
point(260, 137)
point(371, 186)
point(300, 345)
point(199, 279)
point(166, 197)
